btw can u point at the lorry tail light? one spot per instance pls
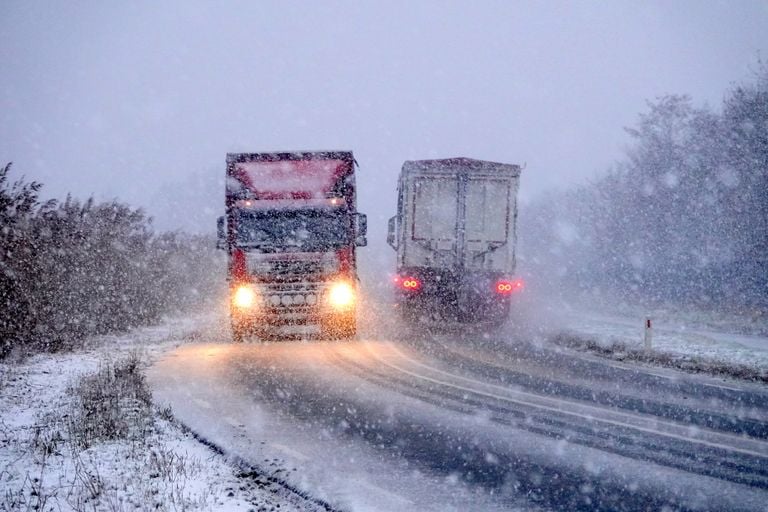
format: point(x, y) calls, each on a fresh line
point(341, 295)
point(506, 287)
point(408, 283)
point(244, 297)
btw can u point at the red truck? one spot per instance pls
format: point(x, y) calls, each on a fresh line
point(290, 231)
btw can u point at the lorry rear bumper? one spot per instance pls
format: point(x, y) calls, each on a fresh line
point(453, 296)
point(446, 307)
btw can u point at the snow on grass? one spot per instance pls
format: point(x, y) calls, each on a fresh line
point(708, 342)
point(79, 431)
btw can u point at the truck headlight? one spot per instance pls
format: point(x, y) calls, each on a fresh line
point(341, 295)
point(244, 297)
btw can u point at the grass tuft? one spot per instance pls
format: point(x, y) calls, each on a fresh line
point(114, 403)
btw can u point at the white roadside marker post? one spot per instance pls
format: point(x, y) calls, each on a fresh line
point(648, 334)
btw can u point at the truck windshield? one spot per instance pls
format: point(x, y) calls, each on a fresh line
point(280, 230)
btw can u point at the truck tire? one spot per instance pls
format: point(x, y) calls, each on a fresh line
point(265, 333)
point(408, 312)
point(238, 334)
point(339, 329)
point(409, 315)
point(500, 314)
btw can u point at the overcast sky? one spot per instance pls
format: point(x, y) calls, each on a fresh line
point(127, 99)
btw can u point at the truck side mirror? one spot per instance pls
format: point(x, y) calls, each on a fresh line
point(391, 232)
point(361, 230)
point(221, 233)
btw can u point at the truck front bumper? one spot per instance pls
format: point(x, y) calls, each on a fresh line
point(294, 303)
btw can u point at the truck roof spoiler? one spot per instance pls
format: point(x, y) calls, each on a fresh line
point(278, 156)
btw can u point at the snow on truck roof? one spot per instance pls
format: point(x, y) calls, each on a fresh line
point(451, 164)
point(290, 175)
point(275, 156)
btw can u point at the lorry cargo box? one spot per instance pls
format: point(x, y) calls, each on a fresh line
point(455, 234)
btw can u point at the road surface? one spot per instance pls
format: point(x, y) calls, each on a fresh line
point(464, 421)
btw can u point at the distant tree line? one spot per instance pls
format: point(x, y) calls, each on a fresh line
point(683, 217)
point(75, 268)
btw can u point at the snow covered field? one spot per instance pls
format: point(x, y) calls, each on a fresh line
point(162, 468)
point(674, 337)
point(700, 339)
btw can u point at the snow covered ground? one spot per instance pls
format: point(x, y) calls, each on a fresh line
point(166, 468)
point(677, 334)
point(673, 337)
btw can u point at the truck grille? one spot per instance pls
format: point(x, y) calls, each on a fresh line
point(292, 296)
point(287, 269)
point(295, 267)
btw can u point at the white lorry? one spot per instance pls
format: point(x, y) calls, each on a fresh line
point(455, 237)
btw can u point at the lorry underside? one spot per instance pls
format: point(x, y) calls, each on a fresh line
point(428, 295)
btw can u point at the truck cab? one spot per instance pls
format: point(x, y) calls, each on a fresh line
point(291, 230)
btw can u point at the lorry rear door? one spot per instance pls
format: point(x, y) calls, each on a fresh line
point(436, 216)
point(486, 222)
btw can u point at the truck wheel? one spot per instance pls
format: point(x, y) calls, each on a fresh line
point(408, 312)
point(348, 332)
point(500, 314)
point(265, 333)
point(239, 332)
point(342, 329)
point(410, 316)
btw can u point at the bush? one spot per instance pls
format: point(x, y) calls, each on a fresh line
point(72, 269)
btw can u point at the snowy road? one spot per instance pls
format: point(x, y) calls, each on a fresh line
point(444, 424)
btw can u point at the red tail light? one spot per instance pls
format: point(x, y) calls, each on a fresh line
point(408, 283)
point(505, 287)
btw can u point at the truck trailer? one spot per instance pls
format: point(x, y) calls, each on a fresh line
point(455, 237)
point(290, 230)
